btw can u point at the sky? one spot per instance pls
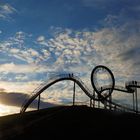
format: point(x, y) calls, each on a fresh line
point(39, 39)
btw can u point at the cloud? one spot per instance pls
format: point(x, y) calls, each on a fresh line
point(17, 99)
point(21, 77)
point(19, 68)
point(76, 51)
point(15, 46)
point(6, 11)
point(87, 48)
point(70, 50)
point(69, 46)
point(18, 86)
point(41, 39)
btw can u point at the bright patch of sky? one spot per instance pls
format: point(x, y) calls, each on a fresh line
point(43, 38)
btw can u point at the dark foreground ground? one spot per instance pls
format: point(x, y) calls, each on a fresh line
point(70, 122)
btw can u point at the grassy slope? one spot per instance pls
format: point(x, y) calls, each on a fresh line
point(68, 122)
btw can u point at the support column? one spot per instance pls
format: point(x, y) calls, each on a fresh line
point(94, 97)
point(38, 102)
point(74, 94)
point(98, 104)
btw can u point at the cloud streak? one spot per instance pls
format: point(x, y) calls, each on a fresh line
point(6, 11)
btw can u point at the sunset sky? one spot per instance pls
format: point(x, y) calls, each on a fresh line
point(41, 38)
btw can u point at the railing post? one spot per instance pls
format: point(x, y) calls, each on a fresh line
point(133, 101)
point(90, 102)
point(110, 100)
point(136, 97)
point(94, 97)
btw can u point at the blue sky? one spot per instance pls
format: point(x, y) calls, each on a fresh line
point(45, 37)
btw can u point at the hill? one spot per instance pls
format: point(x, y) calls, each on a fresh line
point(69, 122)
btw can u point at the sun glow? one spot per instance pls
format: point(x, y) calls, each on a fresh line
point(7, 110)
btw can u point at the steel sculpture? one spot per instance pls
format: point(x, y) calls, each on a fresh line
point(103, 87)
point(98, 72)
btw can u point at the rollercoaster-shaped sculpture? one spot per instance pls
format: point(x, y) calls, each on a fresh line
point(103, 89)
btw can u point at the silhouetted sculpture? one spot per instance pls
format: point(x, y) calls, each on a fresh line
point(95, 84)
point(105, 99)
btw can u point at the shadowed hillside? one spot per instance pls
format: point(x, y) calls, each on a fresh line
point(69, 122)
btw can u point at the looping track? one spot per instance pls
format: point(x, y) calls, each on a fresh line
point(129, 88)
